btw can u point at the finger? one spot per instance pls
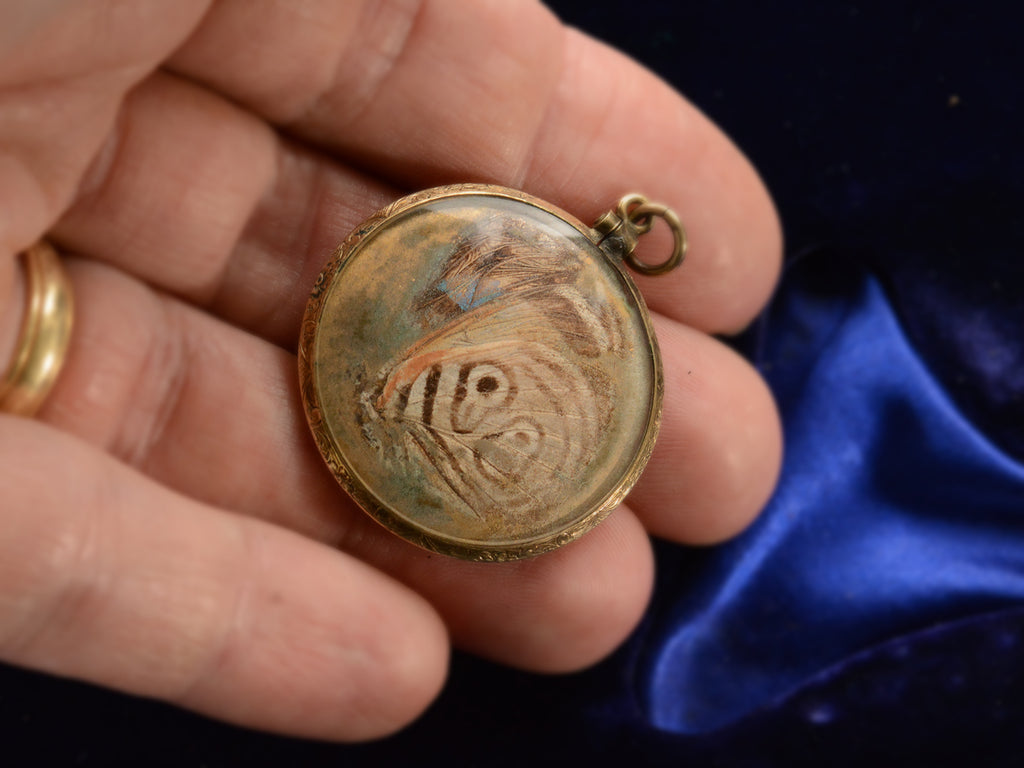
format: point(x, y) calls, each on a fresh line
point(348, 76)
point(676, 156)
point(517, 101)
point(560, 612)
point(107, 577)
point(64, 67)
point(214, 413)
point(11, 309)
point(720, 449)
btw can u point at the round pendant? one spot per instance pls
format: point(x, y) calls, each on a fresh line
point(479, 373)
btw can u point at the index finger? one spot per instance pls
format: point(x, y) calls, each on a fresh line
point(439, 91)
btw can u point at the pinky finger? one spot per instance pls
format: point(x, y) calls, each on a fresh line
point(108, 577)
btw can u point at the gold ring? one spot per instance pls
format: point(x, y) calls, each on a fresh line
point(45, 333)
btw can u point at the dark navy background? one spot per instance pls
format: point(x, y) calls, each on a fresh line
point(875, 613)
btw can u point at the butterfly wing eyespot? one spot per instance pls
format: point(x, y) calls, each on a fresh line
point(481, 388)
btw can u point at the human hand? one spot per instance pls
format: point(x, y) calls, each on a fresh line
point(169, 529)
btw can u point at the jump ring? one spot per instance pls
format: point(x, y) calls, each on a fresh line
point(642, 215)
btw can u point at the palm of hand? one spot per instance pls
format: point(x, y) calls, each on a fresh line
point(170, 529)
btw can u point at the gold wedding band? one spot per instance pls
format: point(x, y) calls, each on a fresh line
point(45, 333)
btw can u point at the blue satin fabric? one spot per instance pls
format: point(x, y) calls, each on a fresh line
point(893, 514)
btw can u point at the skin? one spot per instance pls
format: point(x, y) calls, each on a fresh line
point(169, 529)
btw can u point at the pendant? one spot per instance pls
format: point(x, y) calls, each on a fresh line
point(480, 372)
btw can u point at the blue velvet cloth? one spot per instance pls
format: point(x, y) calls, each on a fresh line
point(875, 611)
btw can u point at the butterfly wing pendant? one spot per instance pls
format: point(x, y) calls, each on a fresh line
point(479, 373)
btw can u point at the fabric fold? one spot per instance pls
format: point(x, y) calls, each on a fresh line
point(893, 514)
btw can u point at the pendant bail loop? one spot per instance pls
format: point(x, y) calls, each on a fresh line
point(620, 230)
